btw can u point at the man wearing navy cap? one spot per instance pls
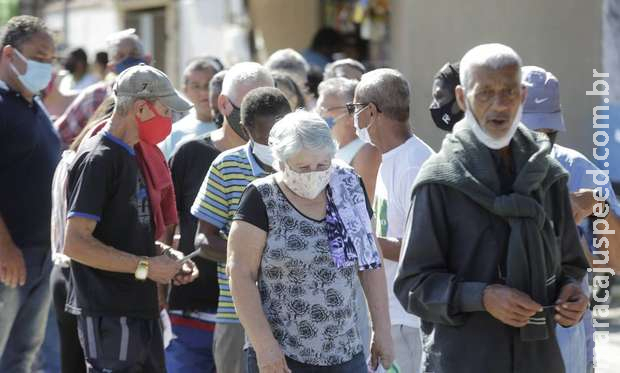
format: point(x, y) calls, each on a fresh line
point(542, 112)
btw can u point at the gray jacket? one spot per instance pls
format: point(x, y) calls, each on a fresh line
point(454, 248)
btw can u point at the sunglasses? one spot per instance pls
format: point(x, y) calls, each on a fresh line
point(354, 107)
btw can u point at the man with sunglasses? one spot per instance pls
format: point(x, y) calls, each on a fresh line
point(380, 113)
point(29, 152)
point(334, 94)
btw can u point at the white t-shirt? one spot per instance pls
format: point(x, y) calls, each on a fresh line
point(186, 129)
point(397, 172)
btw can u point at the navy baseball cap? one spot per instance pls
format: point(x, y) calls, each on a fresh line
point(541, 109)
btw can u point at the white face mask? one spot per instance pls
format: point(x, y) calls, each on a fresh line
point(362, 133)
point(482, 136)
point(307, 184)
point(37, 75)
point(263, 153)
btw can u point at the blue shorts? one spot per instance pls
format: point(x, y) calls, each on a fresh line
point(192, 349)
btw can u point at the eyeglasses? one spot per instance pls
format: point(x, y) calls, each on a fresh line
point(354, 107)
point(328, 109)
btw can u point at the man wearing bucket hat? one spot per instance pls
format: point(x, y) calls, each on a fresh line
point(542, 112)
point(110, 238)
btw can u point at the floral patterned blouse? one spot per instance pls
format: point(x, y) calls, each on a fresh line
point(308, 301)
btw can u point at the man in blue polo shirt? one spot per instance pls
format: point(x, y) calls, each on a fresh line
point(29, 152)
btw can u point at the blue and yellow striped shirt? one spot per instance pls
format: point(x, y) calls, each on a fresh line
point(216, 203)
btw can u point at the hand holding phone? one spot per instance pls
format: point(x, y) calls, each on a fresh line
point(190, 256)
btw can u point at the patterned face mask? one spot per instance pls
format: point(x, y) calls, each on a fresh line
point(307, 184)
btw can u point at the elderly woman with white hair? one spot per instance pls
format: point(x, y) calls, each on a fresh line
point(297, 241)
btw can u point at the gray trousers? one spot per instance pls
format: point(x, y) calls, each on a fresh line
point(228, 341)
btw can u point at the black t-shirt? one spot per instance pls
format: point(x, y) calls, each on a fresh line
point(189, 167)
point(252, 209)
point(29, 153)
point(106, 185)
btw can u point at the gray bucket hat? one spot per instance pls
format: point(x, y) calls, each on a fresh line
point(147, 82)
point(541, 109)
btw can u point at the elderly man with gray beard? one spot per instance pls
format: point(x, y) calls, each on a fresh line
point(491, 258)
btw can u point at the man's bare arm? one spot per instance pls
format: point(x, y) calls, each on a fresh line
point(212, 245)
point(81, 246)
point(390, 247)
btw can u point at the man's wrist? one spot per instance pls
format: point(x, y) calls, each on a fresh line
point(142, 269)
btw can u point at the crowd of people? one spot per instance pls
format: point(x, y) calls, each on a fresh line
point(248, 223)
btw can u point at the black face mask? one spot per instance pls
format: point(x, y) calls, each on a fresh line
point(234, 120)
point(552, 137)
point(446, 116)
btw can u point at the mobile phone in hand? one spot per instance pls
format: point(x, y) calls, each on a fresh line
point(189, 256)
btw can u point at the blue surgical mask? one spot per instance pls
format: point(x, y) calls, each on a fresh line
point(37, 75)
point(331, 121)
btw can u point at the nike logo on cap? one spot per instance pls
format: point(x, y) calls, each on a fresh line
point(540, 100)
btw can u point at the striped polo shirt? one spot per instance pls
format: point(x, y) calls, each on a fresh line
point(216, 203)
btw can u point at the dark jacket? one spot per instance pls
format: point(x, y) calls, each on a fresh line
point(454, 248)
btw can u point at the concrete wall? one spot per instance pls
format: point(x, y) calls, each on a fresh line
point(563, 36)
point(285, 23)
point(89, 23)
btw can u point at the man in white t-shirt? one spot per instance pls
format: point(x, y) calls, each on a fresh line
point(381, 117)
point(199, 121)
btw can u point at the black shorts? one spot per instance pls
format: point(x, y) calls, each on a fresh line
point(121, 344)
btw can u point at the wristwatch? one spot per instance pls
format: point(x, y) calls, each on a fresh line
point(142, 271)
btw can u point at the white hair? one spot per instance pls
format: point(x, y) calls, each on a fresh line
point(341, 87)
point(129, 40)
point(123, 104)
point(245, 75)
point(335, 69)
point(300, 130)
point(495, 56)
point(388, 89)
point(290, 61)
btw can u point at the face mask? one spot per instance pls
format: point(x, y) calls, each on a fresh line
point(154, 130)
point(234, 120)
point(37, 76)
point(308, 184)
point(445, 117)
point(485, 138)
point(127, 63)
point(362, 133)
point(331, 121)
point(263, 153)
